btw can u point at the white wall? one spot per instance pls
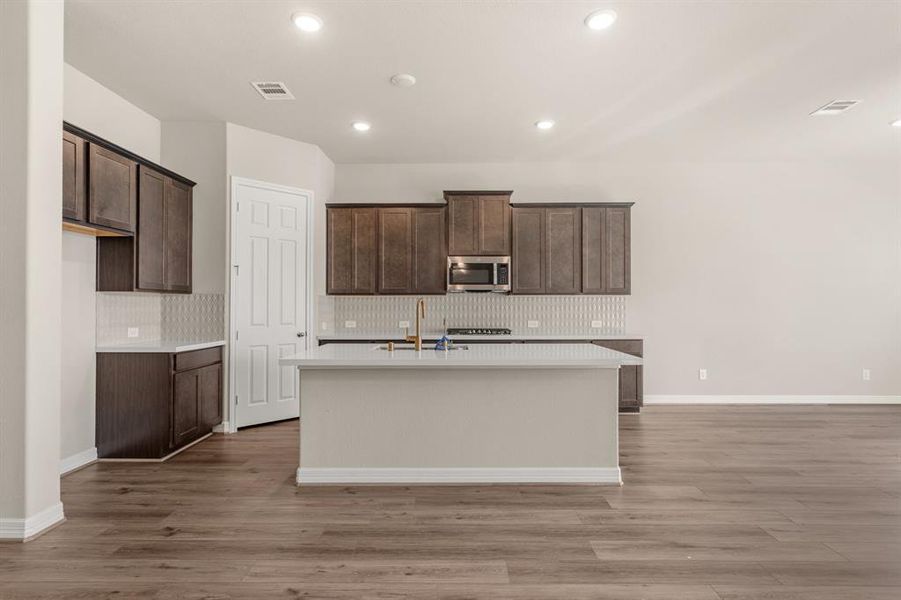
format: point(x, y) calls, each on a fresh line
point(91, 106)
point(95, 108)
point(779, 278)
point(79, 326)
point(31, 109)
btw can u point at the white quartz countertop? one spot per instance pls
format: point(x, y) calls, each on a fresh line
point(163, 347)
point(398, 335)
point(565, 356)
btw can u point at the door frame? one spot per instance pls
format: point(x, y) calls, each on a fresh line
point(231, 425)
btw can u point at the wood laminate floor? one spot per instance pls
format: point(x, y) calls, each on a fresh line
point(720, 503)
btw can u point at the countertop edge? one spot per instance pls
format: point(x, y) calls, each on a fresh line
point(161, 348)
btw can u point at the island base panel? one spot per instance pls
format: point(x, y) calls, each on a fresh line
point(458, 426)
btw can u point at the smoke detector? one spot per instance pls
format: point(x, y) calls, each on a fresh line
point(836, 107)
point(403, 80)
point(272, 90)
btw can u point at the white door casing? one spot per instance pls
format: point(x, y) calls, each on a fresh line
point(270, 304)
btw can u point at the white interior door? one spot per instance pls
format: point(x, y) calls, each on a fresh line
point(269, 297)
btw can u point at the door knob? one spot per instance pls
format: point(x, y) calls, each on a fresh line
point(301, 334)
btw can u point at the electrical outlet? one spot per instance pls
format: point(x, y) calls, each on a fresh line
point(324, 326)
point(597, 324)
point(702, 374)
point(133, 332)
point(865, 374)
point(350, 324)
point(533, 324)
point(403, 324)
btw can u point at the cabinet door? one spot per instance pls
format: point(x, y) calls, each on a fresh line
point(73, 177)
point(463, 223)
point(177, 227)
point(150, 237)
point(617, 259)
point(185, 407)
point(593, 274)
point(112, 189)
point(429, 251)
point(563, 250)
point(395, 253)
point(210, 386)
point(528, 251)
point(605, 250)
point(494, 226)
point(351, 250)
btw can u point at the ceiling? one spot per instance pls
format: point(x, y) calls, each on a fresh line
point(694, 80)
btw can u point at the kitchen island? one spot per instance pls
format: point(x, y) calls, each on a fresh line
point(536, 413)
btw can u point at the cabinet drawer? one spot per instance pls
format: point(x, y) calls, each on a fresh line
point(632, 347)
point(198, 358)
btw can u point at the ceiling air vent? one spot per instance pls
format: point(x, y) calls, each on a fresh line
point(272, 90)
point(836, 107)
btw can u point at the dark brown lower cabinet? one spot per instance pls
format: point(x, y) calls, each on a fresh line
point(630, 376)
point(151, 404)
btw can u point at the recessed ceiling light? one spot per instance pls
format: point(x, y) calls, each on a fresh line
point(896, 123)
point(544, 124)
point(600, 19)
point(403, 80)
point(361, 126)
point(307, 22)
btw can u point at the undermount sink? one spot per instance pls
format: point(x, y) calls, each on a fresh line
point(398, 347)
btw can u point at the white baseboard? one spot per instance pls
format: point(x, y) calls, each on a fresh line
point(222, 427)
point(77, 461)
point(607, 475)
point(775, 399)
point(25, 529)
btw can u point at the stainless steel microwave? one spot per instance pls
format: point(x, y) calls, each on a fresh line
point(478, 274)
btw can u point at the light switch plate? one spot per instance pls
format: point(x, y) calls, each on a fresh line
point(597, 324)
point(133, 332)
point(403, 324)
point(533, 324)
point(350, 324)
point(865, 374)
point(702, 374)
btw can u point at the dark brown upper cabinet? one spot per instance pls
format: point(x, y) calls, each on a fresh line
point(112, 189)
point(140, 212)
point(151, 242)
point(158, 257)
point(478, 223)
point(74, 172)
point(178, 228)
point(571, 249)
point(606, 259)
point(387, 249)
point(395, 254)
point(563, 250)
point(528, 251)
point(351, 250)
point(429, 250)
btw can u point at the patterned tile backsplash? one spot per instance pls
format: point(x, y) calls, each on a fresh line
point(170, 317)
point(559, 315)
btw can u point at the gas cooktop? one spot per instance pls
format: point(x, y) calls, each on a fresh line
point(478, 331)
